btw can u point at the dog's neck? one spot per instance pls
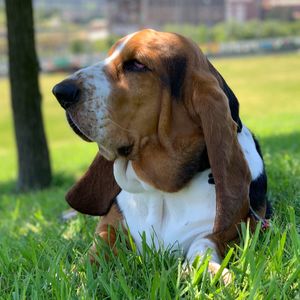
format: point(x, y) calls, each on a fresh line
point(127, 178)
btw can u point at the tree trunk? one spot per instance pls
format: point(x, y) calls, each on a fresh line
point(34, 170)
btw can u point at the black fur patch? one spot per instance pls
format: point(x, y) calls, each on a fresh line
point(257, 146)
point(233, 104)
point(176, 70)
point(258, 188)
point(196, 164)
point(269, 211)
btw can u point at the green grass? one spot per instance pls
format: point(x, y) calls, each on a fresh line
point(42, 257)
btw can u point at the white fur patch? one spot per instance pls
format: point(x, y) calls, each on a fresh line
point(253, 159)
point(95, 90)
point(126, 177)
point(118, 49)
point(169, 219)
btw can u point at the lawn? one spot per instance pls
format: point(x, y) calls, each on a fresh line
point(43, 257)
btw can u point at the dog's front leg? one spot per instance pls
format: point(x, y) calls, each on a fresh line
point(198, 248)
point(107, 231)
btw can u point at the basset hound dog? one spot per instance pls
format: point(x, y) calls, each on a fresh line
point(175, 160)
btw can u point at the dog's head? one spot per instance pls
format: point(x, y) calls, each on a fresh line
point(157, 101)
point(118, 102)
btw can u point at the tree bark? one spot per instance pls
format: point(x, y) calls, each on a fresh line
point(34, 171)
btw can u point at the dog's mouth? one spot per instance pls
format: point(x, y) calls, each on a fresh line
point(76, 129)
point(125, 151)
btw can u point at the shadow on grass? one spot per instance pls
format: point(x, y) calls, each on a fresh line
point(276, 144)
point(59, 180)
point(282, 158)
point(33, 211)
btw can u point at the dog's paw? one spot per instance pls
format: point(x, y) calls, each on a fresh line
point(213, 268)
point(92, 254)
point(226, 275)
point(101, 247)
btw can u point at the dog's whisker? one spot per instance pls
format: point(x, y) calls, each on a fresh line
point(121, 127)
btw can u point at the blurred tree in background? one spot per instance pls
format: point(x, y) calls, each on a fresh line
point(34, 169)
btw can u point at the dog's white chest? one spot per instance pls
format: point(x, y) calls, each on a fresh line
point(171, 219)
point(182, 218)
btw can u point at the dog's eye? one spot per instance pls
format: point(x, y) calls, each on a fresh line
point(135, 66)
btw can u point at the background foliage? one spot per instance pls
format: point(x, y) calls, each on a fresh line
point(234, 31)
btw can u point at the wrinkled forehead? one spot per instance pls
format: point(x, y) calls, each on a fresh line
point(148, 44)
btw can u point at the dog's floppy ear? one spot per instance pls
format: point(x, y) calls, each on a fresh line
point(209, 107)
point(96, 190)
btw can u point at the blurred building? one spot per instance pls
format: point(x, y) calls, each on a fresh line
point(281, 9)
point(243, 10)
point(130, 15)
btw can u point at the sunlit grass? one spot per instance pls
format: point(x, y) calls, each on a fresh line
point(42, 257)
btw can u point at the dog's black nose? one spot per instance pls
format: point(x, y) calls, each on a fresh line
point(67, 93)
